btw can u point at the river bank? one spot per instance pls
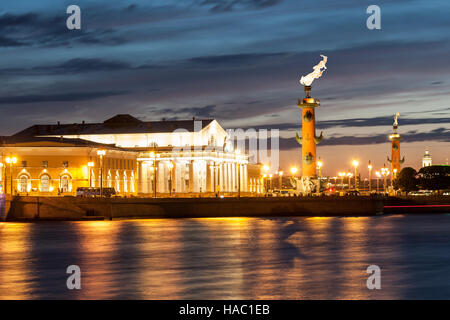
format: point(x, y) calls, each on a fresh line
point(27, 208)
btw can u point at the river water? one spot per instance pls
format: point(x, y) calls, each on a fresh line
point(228, 258)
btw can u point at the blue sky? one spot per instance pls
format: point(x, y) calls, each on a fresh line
point(238, 61)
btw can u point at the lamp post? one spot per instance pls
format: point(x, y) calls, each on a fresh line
point(238, 152)
point(101, 153)
point(385, 172)
point(355, 163)
point(10, 161)
point(370, 176)
point(3, 178)
point(266, 169)
point(154, 156)
point(394, 176)
point(377, 173)
point(90, 165)
point(280, 179)
point(349, 175)
point(319, 167)
point(170, 177)
point(342, 175)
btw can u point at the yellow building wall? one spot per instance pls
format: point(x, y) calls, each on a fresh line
point(119, 164)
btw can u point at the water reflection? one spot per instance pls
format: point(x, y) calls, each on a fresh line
point(232, 258)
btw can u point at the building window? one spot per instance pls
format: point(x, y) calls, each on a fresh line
point(24, 164)
point(65, 183)
point(65, 164)
point(23, 183)
point(45, 183)
point(45, 164)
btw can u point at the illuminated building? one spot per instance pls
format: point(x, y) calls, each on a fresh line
point(58, 166)
point(188, 156)
point(426, 160)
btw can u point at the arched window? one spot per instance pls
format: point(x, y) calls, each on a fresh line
point(65, 183)
point(45, 183)
point(23, 183)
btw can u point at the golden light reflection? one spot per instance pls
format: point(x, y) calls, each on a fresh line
point(15, 261)
point(98, 245)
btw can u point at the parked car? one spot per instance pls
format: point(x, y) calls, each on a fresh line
point(352, 193)
point(95, 192)
point(421, 193)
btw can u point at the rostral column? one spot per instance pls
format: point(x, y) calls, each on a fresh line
point(395, 149)
point(308, 141)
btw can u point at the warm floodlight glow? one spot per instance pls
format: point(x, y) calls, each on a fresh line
point(319, 164)
point(280, 173)
point(266, 168)
point(171, 165)
point(101, 152)
point(90, 164)
point(355, 163)
point(294, 170)
point(11, 160)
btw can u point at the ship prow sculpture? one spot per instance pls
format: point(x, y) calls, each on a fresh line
point(309, 183)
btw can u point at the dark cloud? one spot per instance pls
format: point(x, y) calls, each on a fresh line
point(358, 122)
point(238, 59)
point(202, 112)
point(7, 42)
point(437, 135)
point(80, 65)
point(229, 5)
point(72, 96)
point(31, 29)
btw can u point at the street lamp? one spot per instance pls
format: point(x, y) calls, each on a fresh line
point(394, 176)
point(154, 156)
point(319, 166)
point(170, 177)
point(10, 161)
point(238, 152)
point(342, 175)
point(101, 153)
point(90, 165)
point(355, 163)
point(385, 172)
point(293, 170)
point(280, 179)
point(377, 173)
point(349, 175)
point(370, 176)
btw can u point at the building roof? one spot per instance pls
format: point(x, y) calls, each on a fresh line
point(119, 124)
point(23, 141)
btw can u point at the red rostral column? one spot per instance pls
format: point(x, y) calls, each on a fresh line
point(308, 140)
point(395, 149)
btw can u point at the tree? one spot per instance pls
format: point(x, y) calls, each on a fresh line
point(407, 180)
point(434, 177)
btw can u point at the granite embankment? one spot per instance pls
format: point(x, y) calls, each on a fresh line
point(72, 208)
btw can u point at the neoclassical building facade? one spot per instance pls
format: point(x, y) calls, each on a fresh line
point(140, 157)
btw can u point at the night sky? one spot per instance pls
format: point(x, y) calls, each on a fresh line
point(239, 62)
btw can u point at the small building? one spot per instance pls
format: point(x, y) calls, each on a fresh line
point(58, 166)
point(426, 160)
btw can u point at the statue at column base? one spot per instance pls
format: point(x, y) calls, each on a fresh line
point(306, 186)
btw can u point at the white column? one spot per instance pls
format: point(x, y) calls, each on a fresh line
point(245, 177)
